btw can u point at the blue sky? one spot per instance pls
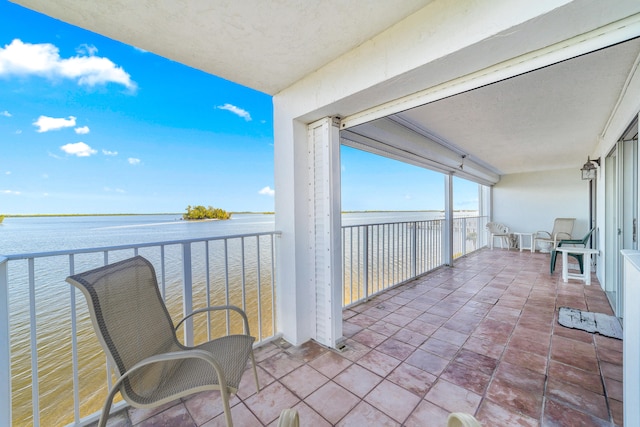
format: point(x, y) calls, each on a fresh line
point(90, 125)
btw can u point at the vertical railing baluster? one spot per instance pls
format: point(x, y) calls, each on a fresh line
point(226, 280)
point(259, 288)
point(273, 285)
point(35, 392)
point(207, 270)
point(163, 273)
point(5, 347)
point(242, 267)
point(74, 344)
point(365, 250)
point(187, 292)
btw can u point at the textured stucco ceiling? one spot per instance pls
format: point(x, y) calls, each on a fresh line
point(265, 45)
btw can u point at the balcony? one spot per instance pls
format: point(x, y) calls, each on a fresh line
point(480, 338)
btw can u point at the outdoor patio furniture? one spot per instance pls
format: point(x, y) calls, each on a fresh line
point(501, 231)
point(289, 418)
point(136, 332)
point(585, 275)
point(582, 243)
point(562, 228)
point(461, 419)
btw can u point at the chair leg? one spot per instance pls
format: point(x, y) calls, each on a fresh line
point(255, 372)
point(554, 258)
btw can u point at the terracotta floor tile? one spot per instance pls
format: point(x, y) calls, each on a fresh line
point(574, 334)
point(354, 350)
point(247, 385)
point(268, 404)
point(240, 415)
point(450, 336)
point(280, 364)
point(527, 360)
point(307, 351)
point(303, 381)
point(350, 329)
point(577, 397)
point(485, 347)
point(413, 379)
point(608, 355)
point(617, 411)
point(385, 328)
point(568, 374)
point(516, 399)
point(574, 353)
point(613, 388)
point(330, 363)
point(427, 362)
point(393, 400)
point(137, 415)
point(204, 406)
point(467, 377)
point(369, 338)
point(308, 416)
point(559, 415)
point(492, 414)
point(493, 330)
point(332, 402)
point(427, 414)
point(366, 415)
point(610, 370)
point(408, 336)
point(177, 416)
point(433, 319)
point(379, 363)
point(358, 380)
point(480, 362)
point(453, 398)
point(606, 342)
point(395, 348)
point(441, 348)
point(530, 340)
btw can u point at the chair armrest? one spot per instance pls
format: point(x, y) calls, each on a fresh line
point(570, 242)
point(216, 308)
point(548, 235)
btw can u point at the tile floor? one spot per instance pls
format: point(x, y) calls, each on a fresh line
point(481, 338)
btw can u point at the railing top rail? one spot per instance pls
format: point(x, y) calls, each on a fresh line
point(411, 221)
point(11, 257)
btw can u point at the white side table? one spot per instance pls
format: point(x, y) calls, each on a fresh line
point(586, 276)
point(520, 239)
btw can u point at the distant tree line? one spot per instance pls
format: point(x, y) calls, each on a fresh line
point(200, 212)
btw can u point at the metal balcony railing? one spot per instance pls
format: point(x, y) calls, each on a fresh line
point(51, 368)
point(376, 257)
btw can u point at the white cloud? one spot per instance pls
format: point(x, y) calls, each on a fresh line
point(7, 173)
point(133, 161)
point(109, 153)
point(86, 49)
point(18, 132)
point(268, 191)
point(236, 110)
point(79, 149)
point(45, 124)
point(15, 193)
point(82, 130)
point(19, 58)
point(45, 176)
point(5, 113)
point(114, 190)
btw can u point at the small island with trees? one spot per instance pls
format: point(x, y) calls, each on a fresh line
point(201, 213)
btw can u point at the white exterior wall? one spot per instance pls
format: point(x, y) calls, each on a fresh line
point(530, 202)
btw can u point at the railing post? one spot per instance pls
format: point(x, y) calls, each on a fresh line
point(365, 272)
point(414, 252)
point(464, 236)
point(187, 292)
point(5, 352)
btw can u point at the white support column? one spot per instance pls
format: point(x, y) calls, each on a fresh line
point(307, 202)
point(325, 236)
point(447, 241)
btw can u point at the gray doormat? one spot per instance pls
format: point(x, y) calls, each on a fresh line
point(604, 324)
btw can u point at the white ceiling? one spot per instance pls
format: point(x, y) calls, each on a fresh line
point(546, 119)
point(264, 45)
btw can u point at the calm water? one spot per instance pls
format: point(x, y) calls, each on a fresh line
point(42, 234)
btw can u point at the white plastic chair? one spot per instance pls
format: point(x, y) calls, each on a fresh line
point(495, 229)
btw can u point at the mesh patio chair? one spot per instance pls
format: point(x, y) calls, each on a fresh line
point(501, 231)
point(579, 243)
point(137, 334)
point(562, 228)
